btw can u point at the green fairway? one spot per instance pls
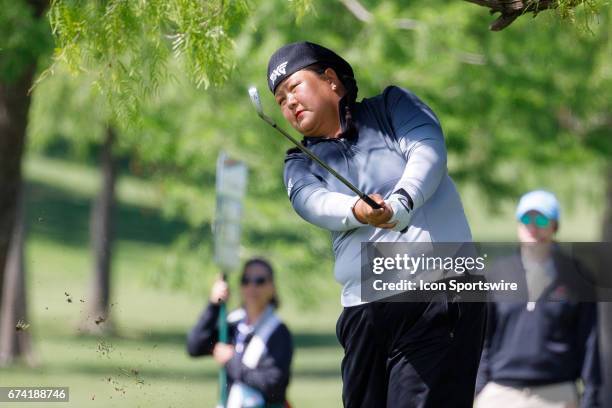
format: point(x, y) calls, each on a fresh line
point(145, 364)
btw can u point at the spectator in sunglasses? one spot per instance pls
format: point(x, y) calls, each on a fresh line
point(258, 355)
point(535, 351)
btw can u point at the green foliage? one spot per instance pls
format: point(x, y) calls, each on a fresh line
point(23, 38)
point(567, 9)
point(66, 109)
point(126, 45)
point(302, 8)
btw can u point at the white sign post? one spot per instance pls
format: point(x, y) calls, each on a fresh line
point(231, 186)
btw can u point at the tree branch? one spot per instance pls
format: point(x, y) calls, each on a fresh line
point(364, 15)
point(512, 9)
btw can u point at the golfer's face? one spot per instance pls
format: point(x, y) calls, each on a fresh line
point(309, 103)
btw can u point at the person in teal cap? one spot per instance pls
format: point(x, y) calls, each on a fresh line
point(536, 351)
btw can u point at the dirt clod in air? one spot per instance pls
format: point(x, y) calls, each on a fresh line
point(21, 326)
point(104, 349)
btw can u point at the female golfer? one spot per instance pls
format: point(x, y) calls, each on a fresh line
point(390, 146)
point(258, 358)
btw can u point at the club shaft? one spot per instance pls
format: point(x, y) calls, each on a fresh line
point(307, 151)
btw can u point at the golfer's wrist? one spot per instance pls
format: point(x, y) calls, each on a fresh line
point(401, 204)
point(352, 220)
point(359, 219)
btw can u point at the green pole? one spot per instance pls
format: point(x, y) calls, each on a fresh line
point(223, 338)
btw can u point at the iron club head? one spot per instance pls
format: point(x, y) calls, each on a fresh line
point(255, 100)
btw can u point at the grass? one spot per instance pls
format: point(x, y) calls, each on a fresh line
point(145, 364)
point(152, 324)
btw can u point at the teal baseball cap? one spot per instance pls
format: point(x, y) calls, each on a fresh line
point(541, 201)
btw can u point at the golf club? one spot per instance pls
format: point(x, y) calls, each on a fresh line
point(258, 107)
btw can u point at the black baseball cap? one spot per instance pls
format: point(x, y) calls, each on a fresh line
point(293, 57)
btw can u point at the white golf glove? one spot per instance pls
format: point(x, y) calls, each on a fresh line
point(402, 214)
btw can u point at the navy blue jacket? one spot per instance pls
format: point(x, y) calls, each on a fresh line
point(555, 342)
point(270, 377)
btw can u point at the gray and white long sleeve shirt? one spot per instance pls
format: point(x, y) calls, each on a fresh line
point(399, 145)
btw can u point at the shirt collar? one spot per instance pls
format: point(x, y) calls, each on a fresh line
point(245, 328)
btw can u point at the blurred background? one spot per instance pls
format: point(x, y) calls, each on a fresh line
point(108, 168)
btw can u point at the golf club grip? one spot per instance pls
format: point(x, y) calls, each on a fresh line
point(371, 202)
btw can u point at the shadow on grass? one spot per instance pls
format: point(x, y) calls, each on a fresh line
point(301, 340)
point(145, 339)
point(61, 215)
point(197, 370)
point(118, 357)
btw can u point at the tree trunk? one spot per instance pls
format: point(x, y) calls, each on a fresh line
point(101, 237)
point(14, 324)
point(605, 308)
point(14, 106)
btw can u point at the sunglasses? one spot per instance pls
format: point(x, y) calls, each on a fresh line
point(538, 220)
point(257, 281)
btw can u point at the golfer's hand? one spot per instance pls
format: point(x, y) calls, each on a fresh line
point(219, 291)
point(378, 218)
point(223, 353)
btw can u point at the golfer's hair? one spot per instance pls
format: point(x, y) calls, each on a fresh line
point(351, 95)
point(275, 302)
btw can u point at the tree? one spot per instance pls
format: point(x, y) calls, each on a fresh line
point(14, 323)
point(101, 239)
point(25, 38)
point(113, 24)
point(126, 46)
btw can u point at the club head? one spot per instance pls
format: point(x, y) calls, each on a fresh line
point(255, 100)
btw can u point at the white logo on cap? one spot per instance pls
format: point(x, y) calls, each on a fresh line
point(289, 187)
point(278, 71)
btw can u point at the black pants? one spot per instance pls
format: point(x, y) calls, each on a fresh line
point(411, 355)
